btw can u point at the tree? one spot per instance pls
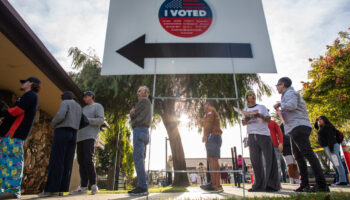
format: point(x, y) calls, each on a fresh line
point(168, 110)
point(328, 91)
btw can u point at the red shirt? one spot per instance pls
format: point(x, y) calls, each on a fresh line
point(276, 133)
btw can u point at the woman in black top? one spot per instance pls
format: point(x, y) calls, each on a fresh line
point(326, 139)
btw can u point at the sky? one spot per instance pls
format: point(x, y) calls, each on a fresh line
point(298, 29)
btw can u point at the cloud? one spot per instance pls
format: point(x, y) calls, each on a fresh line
point(64, 24)
point(301, 29)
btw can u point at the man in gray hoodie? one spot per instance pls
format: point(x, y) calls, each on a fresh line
point(86, 139)
point(297, 126)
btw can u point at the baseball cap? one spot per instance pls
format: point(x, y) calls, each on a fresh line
point(31, 79)
point(89, 93)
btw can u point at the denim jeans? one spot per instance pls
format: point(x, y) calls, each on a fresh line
point(340, 169)
point(140, 140)
point(278, 157)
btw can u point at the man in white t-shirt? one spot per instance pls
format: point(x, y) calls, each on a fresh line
point(256, 119)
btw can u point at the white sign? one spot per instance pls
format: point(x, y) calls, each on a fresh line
point(187, 37)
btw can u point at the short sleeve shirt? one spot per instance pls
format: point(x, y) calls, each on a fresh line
point(257, 125)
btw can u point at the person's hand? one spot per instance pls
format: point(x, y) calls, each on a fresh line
point(204, 139)
point(199, 120)
point(258, 115)
point(280, 147)
point(277, 105)
point(316, 120)
point(132, 111)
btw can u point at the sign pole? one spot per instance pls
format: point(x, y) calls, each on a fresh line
point(152, 112)
point(240, 125)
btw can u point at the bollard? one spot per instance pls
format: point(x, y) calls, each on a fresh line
point(346, 156)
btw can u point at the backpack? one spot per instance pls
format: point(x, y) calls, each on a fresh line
point(339, 136)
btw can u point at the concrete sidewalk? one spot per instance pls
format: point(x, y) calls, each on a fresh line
point(194, 193)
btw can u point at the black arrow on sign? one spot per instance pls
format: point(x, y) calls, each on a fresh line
point(137, 50)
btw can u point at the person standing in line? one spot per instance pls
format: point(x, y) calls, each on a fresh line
point(169, 167)
point(202, 170)
point(297, 126)
point(16, 124)
point(277, 140)
point(213, 141)
point(289, 159)
point(228, 178)
point(223, 174)
point(141, 117)
point(66, 123)
point(86, 140)
point(326, 133)
point(260, 143)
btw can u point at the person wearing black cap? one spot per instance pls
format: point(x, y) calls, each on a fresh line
point(66, 123)
point(297, 125)
point(16, 125)
point(86, 139)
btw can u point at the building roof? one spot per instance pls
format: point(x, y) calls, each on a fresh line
point(24, 55)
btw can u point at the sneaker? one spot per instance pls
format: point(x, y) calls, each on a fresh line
point(208, 187)
point(94, 189)
point(255, 190)
point(317, 188)
point(138, 192)
point(302, 188)
point(339, 184)
point(131, 191)
point(79, 190)
point(8, 195)
point(218, 188)
point(48, 194)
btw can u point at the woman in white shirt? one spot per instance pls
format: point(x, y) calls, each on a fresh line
point(256, 119)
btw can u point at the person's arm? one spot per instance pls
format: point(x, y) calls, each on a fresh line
point(24, 104)
point(99, 118)
point(279, 132)
point(263, 117)
point(316, 125)
point(245, 121)
point(329, 132)
point(280, 137)
point(141, 111)
point(61, 114)
point(290, 101)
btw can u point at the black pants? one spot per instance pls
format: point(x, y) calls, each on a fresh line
point(61, 160)
point(86, 151)
point(169, 178)
point(301, 148)
point(264, 179)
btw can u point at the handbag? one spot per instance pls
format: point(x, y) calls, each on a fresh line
point(245, 142)
point(84, 122)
